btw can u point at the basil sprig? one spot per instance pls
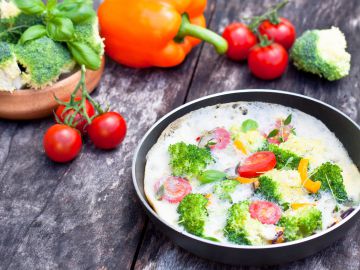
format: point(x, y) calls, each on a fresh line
point(210, 176)
point(59, 20)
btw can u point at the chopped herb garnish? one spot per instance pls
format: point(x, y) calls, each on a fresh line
point(248, 125)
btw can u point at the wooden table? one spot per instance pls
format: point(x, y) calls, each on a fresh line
point(85, 215)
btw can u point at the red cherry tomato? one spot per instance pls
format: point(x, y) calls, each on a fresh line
point(107, 130)
point(240, 40)
point(62, 143)
point(79, 119)
point(268, 62)
point(173, 189)
point(265, 212)
point(257, 164)
point(283, 33)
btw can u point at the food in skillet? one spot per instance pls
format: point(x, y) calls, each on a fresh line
point(250, 173)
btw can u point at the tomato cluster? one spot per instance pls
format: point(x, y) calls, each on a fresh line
point(62, 143)
point(264, 43)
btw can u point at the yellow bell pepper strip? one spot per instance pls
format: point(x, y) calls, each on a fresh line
point(310, 185)
point(145, 33)
point(239, 145)
point(244, 180)
point(296, 206)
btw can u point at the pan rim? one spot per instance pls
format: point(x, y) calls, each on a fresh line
point(146, 204)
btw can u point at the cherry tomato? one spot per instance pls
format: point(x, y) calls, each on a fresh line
point(265, 212)
point(79, 119)
point(107, 130)
point(173, 189)
point(268, 62)
point(62, 143)
point(283, 33)
point(217, 138)
point(257, 164)
point(240, 40)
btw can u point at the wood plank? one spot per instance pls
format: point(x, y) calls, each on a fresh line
point(84, 214)
point(216, 73)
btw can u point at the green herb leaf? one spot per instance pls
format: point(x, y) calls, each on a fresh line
point(60, 29)
point(248, 125)
point(77, 12)
point(160, 193)
point(287, 121)
point(51, 4)
point(31, 7)
point(84, 55)
point(210, 176)
point(273, 133)
point(33, 32)
point(210, 238)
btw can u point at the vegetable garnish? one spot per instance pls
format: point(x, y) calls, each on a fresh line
point(210, 176)
point(244, 180)
point(248, 125)
point(264, 211)
point(310, 185)
point(239, 145)
point(257, 164)
point(295, 206)
point(60, 21)
point(217, 138)
point(282, 131)
point(172, 189)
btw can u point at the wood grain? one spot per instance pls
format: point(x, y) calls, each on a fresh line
point(216, 74)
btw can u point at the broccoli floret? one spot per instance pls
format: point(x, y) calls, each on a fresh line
point(285, 159)
point(193, 213)
point(331, 180)
point(270, 190)
point(322, 52)
point(10, 73)
point(44, 61)
point(188, 159)
point(301, 223)
point(224, 188)
point(88, 32)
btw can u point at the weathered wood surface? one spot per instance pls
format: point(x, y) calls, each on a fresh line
point(85, 215)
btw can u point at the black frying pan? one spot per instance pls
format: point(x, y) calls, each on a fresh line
point(346, 130)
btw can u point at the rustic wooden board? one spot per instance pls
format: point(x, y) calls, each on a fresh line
point(215, 74)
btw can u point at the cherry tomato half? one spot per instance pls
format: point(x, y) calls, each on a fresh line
point(265, 212)
point(79, 119)
point(173, 189)
point(62, 143)
point(240, 40)
point(107, 130)
point(257, 164)
point(283, 33)
point(268, 62)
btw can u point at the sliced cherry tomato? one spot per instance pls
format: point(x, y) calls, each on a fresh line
point(240, 40)
point(265, 212)
point(107, 130)
point(257, 164)
point(217, 138)
point(62, 143)
point(79, 119)
point(284, 132)
point(268, 62)
point(173, 189)
point(283, 33)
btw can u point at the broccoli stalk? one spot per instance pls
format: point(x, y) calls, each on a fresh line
point(224, 188)
point(331, 180)
point(188, 159)
point(301, 223)
point(322, 52)
point(10, 73)
point(193, 213)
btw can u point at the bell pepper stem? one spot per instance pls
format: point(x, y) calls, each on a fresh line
point(188, 29)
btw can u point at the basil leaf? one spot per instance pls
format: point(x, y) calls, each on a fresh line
point(287, 120)
point(248, 125)
point(51, 4)
point(31, 7)
point(76, 12)
point(273, 133)
point(210, 238)
point(84, 55)
point(210, 176)
point(60, 29)
point(33, 32)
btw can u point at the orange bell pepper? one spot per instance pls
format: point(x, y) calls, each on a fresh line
point(145, 33)
point(239, 145)
point(309, 184)
point(244, 180)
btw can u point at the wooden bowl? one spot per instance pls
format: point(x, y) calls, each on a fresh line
point(33, 104)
